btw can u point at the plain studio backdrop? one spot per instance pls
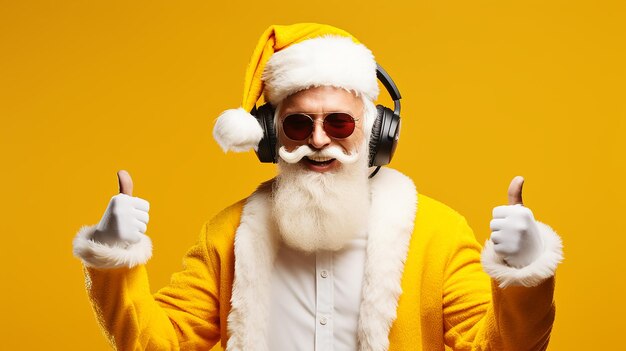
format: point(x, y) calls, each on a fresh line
point(491, 89)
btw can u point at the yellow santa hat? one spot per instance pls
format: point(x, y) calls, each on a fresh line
point(291, 58)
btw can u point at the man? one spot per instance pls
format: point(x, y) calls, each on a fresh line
point(323, 257)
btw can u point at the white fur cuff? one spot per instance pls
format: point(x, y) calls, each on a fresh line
point(97, 255)
point(533, 274)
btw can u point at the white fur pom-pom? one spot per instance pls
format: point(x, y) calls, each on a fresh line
point(237, 130)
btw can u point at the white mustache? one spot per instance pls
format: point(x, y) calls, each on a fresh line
point(304, 151)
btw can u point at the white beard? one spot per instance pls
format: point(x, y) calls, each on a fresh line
point(321, 211)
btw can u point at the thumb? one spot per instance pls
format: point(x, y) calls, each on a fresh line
point(125, 182)
point(515, 191)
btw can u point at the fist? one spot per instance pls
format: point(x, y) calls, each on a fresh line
point(514, 232)
point(125, 218)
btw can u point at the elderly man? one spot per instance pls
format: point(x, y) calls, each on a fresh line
point(328, 255)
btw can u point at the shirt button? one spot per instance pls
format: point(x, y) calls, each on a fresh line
point(323, 321)
point(324, 273)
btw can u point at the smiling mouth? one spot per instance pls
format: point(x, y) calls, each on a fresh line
point(320, 161)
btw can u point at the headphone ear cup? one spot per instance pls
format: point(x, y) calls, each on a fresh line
point(375, 134)
point(266, 150)
point(384, 137)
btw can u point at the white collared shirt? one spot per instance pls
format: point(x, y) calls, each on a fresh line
point(315, 298)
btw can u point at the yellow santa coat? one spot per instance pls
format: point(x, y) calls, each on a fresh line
point(446, 301)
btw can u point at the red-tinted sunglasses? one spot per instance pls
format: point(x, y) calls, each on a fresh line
point(338, 125)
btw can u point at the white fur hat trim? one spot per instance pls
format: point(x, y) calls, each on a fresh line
point(328, 60)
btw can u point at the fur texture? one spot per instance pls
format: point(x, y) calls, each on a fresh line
point(97, 255)
point(327, 60)
point(531, 275)
point(394, 204)
point(256, 246)
point(237, 130)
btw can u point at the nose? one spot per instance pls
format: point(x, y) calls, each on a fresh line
point(318, 138)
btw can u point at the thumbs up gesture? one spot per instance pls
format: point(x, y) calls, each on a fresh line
point(126, 218)
point(515, 235)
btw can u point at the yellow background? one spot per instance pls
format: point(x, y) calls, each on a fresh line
point(491, 89)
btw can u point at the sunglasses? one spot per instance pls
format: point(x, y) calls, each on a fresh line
point(338, 125)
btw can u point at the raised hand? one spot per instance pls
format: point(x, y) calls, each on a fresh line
point(515, 233)
point(126, 217)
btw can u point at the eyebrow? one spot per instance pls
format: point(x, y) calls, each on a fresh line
point(290, 111)
point(286, 113)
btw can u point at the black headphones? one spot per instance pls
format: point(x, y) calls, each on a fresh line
point(383, 139)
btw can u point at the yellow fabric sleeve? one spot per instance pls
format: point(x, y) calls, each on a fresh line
point(184, 315)
point(478, 315)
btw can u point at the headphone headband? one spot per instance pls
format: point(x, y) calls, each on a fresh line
point(391, 87)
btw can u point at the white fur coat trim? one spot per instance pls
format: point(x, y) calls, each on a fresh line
point(533, 274)
point(97, 255)
point(256, 245)
point(394, 204)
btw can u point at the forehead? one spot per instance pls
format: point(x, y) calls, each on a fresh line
point(321, 99)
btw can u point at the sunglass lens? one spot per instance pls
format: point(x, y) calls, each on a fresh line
point(298, 126)
point(339, 125)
